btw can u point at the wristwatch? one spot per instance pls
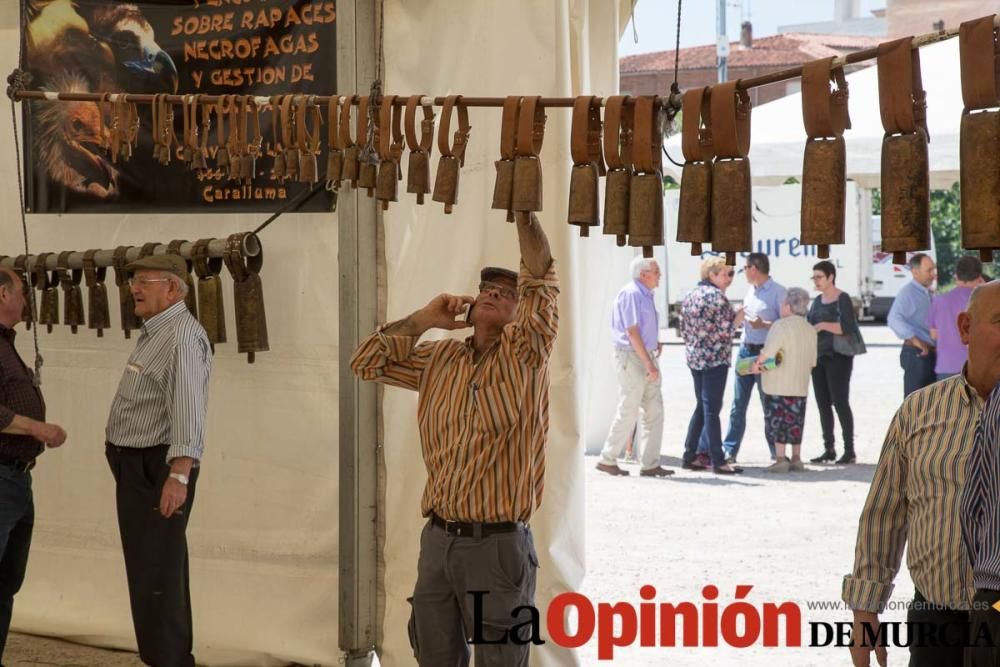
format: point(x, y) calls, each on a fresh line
point(180, 477)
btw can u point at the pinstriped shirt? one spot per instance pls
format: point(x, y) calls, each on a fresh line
point(981, 500)
point(163, 394)
point(483, 426)
point(914, 500)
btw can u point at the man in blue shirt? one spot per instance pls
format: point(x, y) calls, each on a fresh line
point(635, 328)
point(908, 320)
point(761, 307)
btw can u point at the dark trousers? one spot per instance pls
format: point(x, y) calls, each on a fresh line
point(949, 627)
point(741, 399)
point(918, 371)
point(17, 518)
point(444, 613)
point(704, 427)
point(832, 383)
point(156, 556)
point(984, 625)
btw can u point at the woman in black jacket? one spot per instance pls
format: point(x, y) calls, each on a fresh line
point(832, 314)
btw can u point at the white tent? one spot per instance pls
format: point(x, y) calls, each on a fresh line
point(778, 135)
point(264, 536)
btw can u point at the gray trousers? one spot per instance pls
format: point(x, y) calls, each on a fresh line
point(445, 615)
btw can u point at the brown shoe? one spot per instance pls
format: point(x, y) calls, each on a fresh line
point(658, 471)
point(611, 469)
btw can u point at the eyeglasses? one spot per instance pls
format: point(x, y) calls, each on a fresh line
point(731, 272)
point(142, 282)
point(503, 290)
point(818, 277)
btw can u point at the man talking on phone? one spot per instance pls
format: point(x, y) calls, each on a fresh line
point(483, 416)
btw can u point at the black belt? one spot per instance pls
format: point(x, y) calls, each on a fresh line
point(19, 466)
point(754, 346)
point(462, 529)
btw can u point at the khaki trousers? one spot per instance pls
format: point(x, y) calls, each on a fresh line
point(636, 393)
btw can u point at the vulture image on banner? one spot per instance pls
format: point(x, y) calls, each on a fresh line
point(80, 46)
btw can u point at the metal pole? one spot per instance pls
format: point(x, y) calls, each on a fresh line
point(103, 258)
point(358, 621)
point(721, 41)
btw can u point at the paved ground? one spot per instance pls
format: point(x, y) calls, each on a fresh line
point(790, 537)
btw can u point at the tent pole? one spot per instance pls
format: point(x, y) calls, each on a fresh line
point(358, 623)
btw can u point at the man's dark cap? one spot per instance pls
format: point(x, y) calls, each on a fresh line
point(492, 272)
point(174, 264)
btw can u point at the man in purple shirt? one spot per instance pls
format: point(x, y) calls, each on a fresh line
point(635, 328)
point(942, 319)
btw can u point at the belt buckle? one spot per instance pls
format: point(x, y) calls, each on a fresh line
point(451, 529)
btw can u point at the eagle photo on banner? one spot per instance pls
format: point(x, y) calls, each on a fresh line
point(192, 47)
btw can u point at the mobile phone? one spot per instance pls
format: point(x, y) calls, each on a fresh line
point(468, 313)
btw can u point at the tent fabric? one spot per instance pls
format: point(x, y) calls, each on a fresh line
point(263, 535)
point(564, 48)
point(778, 135)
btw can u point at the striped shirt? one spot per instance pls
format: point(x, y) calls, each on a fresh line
point(163, 395)
point(483, 426)
point(980, 510)
point(914, 498)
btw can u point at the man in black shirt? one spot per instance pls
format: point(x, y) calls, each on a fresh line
point(23, 436)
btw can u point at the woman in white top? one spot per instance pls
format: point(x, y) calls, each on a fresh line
point(787, 386)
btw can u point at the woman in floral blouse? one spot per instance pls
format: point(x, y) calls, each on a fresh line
point(708, 323)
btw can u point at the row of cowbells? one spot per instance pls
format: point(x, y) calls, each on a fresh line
point(379, 171)
point(204, 297)
point(715, 202)
point(628, 141)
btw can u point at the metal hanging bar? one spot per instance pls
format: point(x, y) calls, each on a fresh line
point(103, 258)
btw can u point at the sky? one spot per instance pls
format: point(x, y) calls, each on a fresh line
point(656, 20)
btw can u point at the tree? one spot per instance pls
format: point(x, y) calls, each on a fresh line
point(946, 225)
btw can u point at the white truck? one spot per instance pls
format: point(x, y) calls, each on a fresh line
point(776, 233)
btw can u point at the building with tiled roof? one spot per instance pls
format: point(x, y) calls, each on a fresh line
point(652, 73)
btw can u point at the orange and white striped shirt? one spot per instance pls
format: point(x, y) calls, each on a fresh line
point(483, 426)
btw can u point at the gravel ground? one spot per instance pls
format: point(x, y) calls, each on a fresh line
point(790, 537)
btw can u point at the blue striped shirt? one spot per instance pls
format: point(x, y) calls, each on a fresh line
point(163, 395)
point(980, 509)
point(908, 315)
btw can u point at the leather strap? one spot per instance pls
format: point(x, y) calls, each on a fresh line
point(186, 104)
point(581, 133)
point(118, 262)
point(92, 273)
point(426, 125)
point(276, 142)
point(68, 278)
point(308, 141)
point(646, 153)
point(508, 126)
point(174, 248)
point(385, 118)
point(254, 143)
point(902, 101)
point(594, 129)
point(241, 267)
point(824, 112)
point(38, 269)
point(332, 129)
point(222, 109)
point(977, 48)
point(457, 148)
point(696, 140)
point(730, 120)
point(204, 266)
point(148, 249)
point(287, 122)
point(206, 127)
point(362, 126)
point(530, 127)
point(617, 132)
point(345, 123)
point(167, 115)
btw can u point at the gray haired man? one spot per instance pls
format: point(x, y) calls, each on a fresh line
point(154, 441)
point(635, 327)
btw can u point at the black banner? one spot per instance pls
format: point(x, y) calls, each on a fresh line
point(231, 47)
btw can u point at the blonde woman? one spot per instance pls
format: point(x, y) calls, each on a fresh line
point(708, 323)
